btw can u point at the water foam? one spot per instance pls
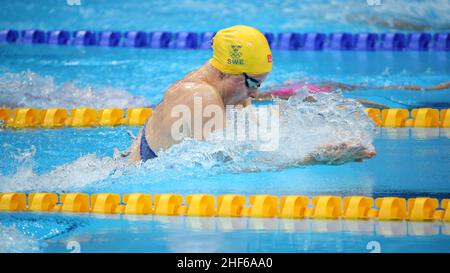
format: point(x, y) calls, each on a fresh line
point(85, 171)
point(331, 130)
point(14, 241)
point(29, 89)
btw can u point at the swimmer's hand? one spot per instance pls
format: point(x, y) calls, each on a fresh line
point(365, 154)
point(341, 153)
point(270, 96)
point(359, 153)
point(261, 96)
point(118, 154)
point(440, 86)
point(130, 134)
point(309, 99)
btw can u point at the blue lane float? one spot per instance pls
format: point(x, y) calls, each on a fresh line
point(365, 41)
point(340, 41)
point(270, 37)
point(418, 41)
point(393, 41)
point(160, 39)
point(109, 38)
point(58, 37)
point(84, 38)
point(135, 39)
point(185, 40)
point(206, 39)
point(441, 41)
point(33, 36)
point(289, 41)
point(313, 41)
point(9, 36)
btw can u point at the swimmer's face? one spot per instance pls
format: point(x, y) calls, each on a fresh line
point(237, 88)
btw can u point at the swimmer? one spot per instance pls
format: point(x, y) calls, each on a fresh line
point(241, 61)
point(290, 89)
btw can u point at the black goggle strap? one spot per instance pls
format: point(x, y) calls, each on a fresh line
point(255, 82)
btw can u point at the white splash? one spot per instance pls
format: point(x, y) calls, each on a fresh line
point(14, 241)
point(84, 171)
point(29, 89)
point(332, 130)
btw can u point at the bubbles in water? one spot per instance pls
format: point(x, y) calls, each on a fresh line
point(33, 232)
point(14, 241)
point(86, 170)
point(28, 89)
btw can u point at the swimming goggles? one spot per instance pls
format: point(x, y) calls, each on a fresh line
point(251, 82)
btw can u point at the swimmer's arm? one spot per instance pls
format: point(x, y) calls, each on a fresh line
point(267, 96)
point(343, 86)
point(439, 86)
point(262, 96)
point(402, 87)
point(134, 155)
point(212, 110)
point(246, 102)
point(372, 104)
point(327, 152)
point(352, 87)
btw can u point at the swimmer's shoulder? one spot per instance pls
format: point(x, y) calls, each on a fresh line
point(189, 89)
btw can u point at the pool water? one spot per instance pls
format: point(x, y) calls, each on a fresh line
point(101, 233)
point(409, 162)
point(66, 73)
point(195, 15)
point(407, 159)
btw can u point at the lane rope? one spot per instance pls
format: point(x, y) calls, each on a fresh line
point(90, 117)
point(391, 41)
point(233, 205)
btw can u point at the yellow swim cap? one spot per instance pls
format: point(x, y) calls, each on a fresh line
point(241, 49)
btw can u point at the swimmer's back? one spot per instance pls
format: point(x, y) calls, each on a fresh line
point(159, 127)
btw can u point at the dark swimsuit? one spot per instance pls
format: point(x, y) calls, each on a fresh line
point(145, 151)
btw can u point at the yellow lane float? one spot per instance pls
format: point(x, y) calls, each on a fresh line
point(424, 117)
point(230, 205)
point(137, 116)
point(54, 117)
point(394, 117)
point(83, 117)
point(233, 205)
point(111, 117)
point(374, 114)
point(26, 118)
point(445, 118)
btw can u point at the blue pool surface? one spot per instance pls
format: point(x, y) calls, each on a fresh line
point(100, 233)
point(409, 162)
point(196, 15)
point(38, 71)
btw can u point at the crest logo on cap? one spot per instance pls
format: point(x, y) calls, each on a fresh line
point(269, 58)
point(235, 55)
